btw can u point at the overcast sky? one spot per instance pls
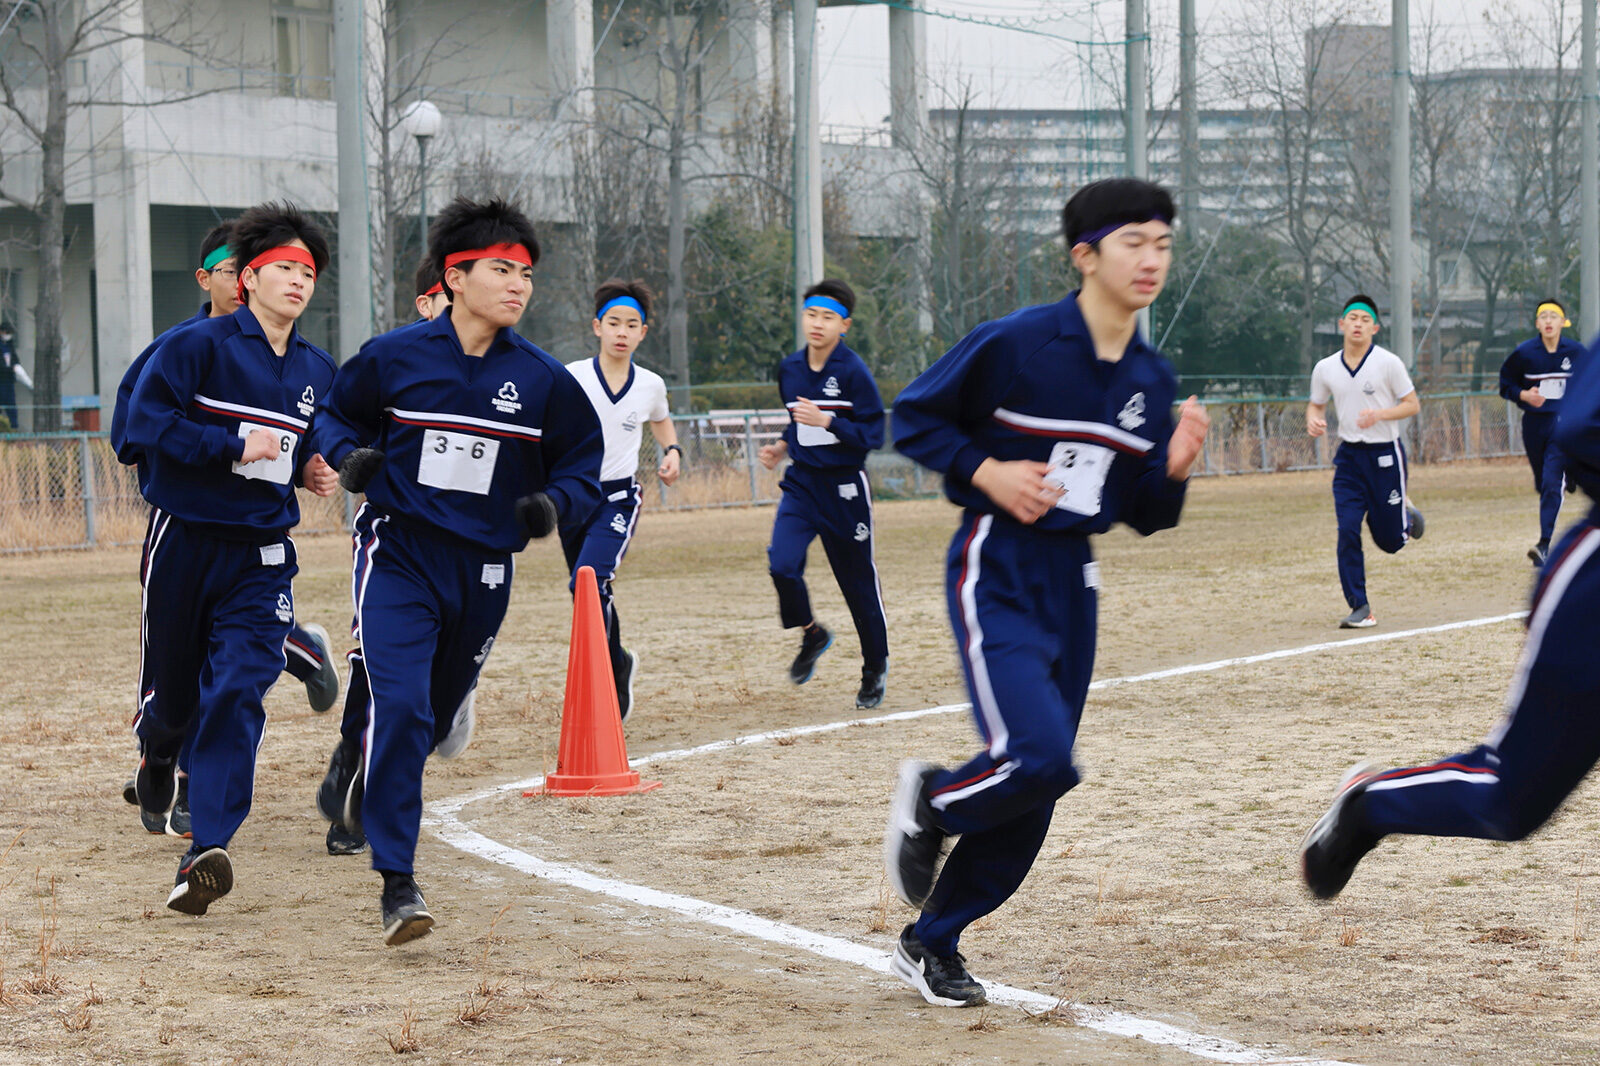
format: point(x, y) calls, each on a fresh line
point(1019, 68)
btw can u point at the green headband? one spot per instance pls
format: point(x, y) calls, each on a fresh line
point(1361, 305)
point(217, 256)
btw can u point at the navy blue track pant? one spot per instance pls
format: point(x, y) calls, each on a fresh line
point(1369, 483)
point(1548, 741)
point(1023, 609)
point(1549, 469)
point(214, 619)
point(601, 543)
point(836, 505)
point(427, 611)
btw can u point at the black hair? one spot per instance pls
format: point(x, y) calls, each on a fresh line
point(1360, 298)
point(612, 288)
point(6, 327)
point(466, 225)
point(428, 276)
point(216, 237)
point(272, 225)
point(1114, 202)
point(833, 289)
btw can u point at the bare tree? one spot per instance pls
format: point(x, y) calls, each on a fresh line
point(46, 44)
point(1297, 64)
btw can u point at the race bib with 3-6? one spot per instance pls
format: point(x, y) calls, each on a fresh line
point(279, 471)
point(458, 461)
point(1079, 470)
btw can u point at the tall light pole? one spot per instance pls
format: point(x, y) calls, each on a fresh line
point(422, 120)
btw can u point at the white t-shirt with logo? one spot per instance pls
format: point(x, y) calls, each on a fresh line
point(1378, 381)
point(622, 415)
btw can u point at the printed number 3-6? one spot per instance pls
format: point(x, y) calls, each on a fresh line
point(285, 445)
point(441, 445)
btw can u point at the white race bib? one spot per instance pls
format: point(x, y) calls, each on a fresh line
point(458, 461)
point(813, 436)
point(1080, 471)
point(1553, 388)
point(279, 471)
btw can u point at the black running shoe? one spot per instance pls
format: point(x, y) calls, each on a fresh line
point(155, 786)
point(1539, 553)
point(913, 840)
point(129, 793)
point(1415, 524)
point(872, 681)
point(204, 876)
point(322, 687)
point(342, 841)
point(178, 822)
point(344, 774)
point(813, 642)
point(1337, 843)
point(943, 980)
point(626, 668)
point(405, 915)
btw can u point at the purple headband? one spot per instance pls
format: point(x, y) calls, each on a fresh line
point(1105, 231)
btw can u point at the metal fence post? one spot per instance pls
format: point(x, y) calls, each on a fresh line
point(1261, 432)
point(1466, 428)
point(750, 457)
point(1511, 444)
point(86, 474)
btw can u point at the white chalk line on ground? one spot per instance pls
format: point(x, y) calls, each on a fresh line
point(443, 817)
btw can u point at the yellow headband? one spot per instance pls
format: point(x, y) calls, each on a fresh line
point(1565, 321)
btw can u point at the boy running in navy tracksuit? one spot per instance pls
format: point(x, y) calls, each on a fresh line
point(1549, 739)
point(467, 440)
point(626, 397)
point(1048, 425)
point(1373, 393)
point(307, 652)
point(835, 419)
point(220, 415)
point(1534, 377)
point(342, 839)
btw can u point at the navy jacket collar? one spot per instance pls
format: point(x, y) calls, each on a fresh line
point(1070, 322)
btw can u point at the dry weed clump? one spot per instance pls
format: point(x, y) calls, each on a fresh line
point(404, 1040)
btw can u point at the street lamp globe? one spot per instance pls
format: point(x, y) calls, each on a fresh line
point(421, 119)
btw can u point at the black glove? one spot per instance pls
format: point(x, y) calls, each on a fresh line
point(358, 468)
point(537, 515)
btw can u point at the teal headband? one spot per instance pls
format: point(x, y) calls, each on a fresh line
point(828, 303)
point(1361, 305)
point(621, 301)
point(217, 255)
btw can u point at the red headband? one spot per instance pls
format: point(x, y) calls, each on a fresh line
point(515, 252)
point(277, 255)
point(438, 289)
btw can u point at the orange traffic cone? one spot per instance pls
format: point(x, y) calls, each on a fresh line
point(593, 759)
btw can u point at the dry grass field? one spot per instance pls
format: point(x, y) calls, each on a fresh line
point(1166, 890)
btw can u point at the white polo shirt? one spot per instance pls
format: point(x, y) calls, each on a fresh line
point(622, 415)
point(1379, 380)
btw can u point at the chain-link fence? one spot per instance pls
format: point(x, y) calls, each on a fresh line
point(67, 490)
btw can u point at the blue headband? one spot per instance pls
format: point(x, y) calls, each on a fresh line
point(622, 301)
point(828, 303)
point(1103, 232)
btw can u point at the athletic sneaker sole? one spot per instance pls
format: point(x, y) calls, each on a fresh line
point(409, 927)
point(903, 824)
point(210, 878)
point(901, 965)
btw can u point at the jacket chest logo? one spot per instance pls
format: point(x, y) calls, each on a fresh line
point(505, 401)
point(1566, 363)
point(1131, 417)
point(830, 388)
point(308, 402)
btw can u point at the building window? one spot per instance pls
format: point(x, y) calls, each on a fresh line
point(303, 33)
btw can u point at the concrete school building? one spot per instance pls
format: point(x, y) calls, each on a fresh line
point(164, 143)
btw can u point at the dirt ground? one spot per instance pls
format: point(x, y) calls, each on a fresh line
point(1167, 888)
